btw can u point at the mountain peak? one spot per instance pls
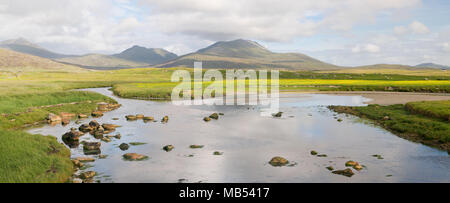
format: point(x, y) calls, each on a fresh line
point(19, 41)
point(240, 48)
point(146, 55)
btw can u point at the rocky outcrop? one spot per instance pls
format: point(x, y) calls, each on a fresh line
point(52, 118)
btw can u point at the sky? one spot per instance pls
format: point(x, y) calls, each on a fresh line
point(342, 32)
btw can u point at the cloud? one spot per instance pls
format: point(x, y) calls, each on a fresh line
point(369, 48)
point(445, 46)
point(415, 27)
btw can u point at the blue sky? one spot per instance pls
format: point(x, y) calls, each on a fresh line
point(345, 32)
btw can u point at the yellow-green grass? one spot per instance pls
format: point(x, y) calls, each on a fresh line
point(27, 158)
point(391, 71)
point(413, 126)
point(436, 109)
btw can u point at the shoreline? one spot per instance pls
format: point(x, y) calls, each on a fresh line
point(384, 98)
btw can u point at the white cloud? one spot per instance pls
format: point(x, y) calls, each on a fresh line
point(445, 46)
point(418, 28)
point(369, 48)
point(400, 30)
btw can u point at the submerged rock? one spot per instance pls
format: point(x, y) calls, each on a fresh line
point(85, 159)
point(330, 168)
point(322, 155)
point(82, 116)
point(94, 124)
point(339, 120)
point(140, 116)
point(346, 172)
point(196, 146)
point(148, 119)
point(217, 153)
point(85, 128)
point(278, 161)
point(206, 119)
point(168, 148)
point(165, 119)
point(377, 156)
point(314, 153)
point(131, 118)
point(110, 127)
point(214, 116)
point(77, 163)
point(92, 148)
point(134, 157)
point(124, 146)
point(351, 163)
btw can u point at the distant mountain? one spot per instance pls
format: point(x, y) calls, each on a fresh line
point(433, 65)
point(247, 54)
point(150, 56)
point(99, 61)
point(23, 46)
point(11, 61)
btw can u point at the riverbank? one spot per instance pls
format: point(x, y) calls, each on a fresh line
point(408, 121)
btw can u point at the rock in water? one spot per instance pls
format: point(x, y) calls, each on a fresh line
point(346, 172)
point(168, 148)
point(196, 146)
point(110, 127)
point(94, 124)
point(97, 114)
point(140, 116)
point(207, 119)
point(87, 175)
point(314, 153)
point(351, 163)
point(217, 153)
point(165, 119)
point(131, 118)
point(92, 148)
point(148, 119)
point(124, 146)
point(85, 128)
point(277, 115)
point(214, 116)
point(134, 157)
point(81, 116)
point(278, 161)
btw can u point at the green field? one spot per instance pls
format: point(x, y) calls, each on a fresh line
point(24, 94)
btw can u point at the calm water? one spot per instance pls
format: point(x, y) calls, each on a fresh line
point(249, 141)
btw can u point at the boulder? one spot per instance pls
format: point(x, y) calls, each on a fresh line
point(124, 146)
point(214, 116)
point(97, 114)
point(72, 138)
point(346, 172)
point(52, 118)
point(85, 128)
point(168, 148)
point(134, 157)
point(94, 124)
point(165, 119)
point(278, 161)
point(277, 115)
point(92, 145)
point(87, 175)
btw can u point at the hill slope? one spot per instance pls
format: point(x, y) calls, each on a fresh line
point(146, 55)
point(12, 61)
point(99, 61)
point(23, 46)
point(247, 54)
point(433, 65)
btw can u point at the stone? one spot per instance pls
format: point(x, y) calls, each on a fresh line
point(278, 161)
point(339, 120)
point(346, 172)
point(115, 119)
point(351, 163)
point(165, 119)
point(221, 114)
point(52, 118)
point(322, 155)
point(148, 119)
point(196, 146)
point(82, 116)
point(110, 127)
point(102, 156)
point(65, 121)
point(214, 116)
point(94, 124)
point(66, 115)
point(134, 157)
point(85, 159)
point(278, 115)
point(358, 167)
point(330, 168)
point(314, 153)
point(131, 118)
point(217, 153)
point(118, 136)
point(124, 146)
point(85, 128)
point(97, 114)
point(92, 148)
point(77, 163)
point(377, 156)
point(168, 148)
point(207, 119)
point(140, 116)
point(87, 175)
point(105, 139)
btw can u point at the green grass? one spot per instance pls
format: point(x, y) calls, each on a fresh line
point(410, 125)
point(27, 158)
point(435, 109)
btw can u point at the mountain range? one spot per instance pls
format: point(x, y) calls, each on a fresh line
point(233, 54)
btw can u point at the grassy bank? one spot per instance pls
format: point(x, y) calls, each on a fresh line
point(37, 158)
point(414, 125)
